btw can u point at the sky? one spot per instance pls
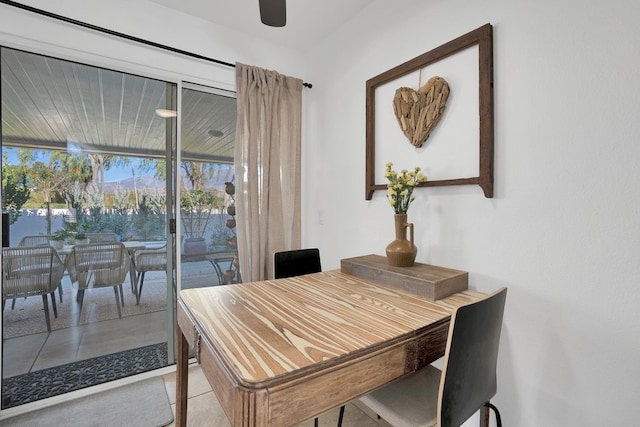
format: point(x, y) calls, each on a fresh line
point(112, 175)
point(118, 173)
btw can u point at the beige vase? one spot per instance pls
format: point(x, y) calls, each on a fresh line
point(402, 252)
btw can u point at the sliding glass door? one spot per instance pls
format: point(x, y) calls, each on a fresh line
point(208, 243)
point(88, 167)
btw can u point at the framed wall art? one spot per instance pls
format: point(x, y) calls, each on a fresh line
point(468, 159)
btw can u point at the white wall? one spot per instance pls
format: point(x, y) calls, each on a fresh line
point(563, 230)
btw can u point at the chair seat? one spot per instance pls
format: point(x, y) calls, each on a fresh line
point(396, 403)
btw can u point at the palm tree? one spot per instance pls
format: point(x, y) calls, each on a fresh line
point(47, 179)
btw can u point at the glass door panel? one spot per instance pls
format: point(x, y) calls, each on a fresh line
point(208, 255)
point(84, 155)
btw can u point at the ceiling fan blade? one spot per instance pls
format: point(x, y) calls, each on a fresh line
point(273, 12)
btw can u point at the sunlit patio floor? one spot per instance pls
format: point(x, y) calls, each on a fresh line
point(28, 347)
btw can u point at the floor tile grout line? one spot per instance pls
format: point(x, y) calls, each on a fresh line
point(35, 359)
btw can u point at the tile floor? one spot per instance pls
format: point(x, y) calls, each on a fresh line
point(204, 410)
point(45, 350)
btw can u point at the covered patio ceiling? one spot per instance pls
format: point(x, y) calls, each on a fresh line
point(49, 103)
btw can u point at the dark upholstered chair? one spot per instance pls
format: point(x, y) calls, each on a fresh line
point(467, 381)
point(296, 263)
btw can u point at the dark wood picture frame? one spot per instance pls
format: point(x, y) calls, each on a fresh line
point(483, 38)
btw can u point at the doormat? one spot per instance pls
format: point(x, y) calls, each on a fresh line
point(50, 382)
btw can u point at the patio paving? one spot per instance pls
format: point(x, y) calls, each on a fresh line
point(28, 347)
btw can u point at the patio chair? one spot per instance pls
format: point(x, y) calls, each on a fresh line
point(102, 237)
point(29, 271)
point(149, 260)
point(40, 240)
point(99, 265)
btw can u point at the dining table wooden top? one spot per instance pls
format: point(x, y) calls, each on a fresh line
point(298, 346)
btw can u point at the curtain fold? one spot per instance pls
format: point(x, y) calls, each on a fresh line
point(267, 165)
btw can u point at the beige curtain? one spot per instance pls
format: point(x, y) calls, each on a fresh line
point(267, 163)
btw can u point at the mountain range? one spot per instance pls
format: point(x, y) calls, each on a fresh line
point(149, 182)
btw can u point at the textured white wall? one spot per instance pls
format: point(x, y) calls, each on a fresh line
point(563, 230)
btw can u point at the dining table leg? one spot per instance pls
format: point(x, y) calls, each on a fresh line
point(182, 379)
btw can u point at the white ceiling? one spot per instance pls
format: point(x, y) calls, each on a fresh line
point(308, 21)
point(50, 103)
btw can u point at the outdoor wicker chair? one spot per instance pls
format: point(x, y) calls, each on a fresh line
point(40, 240)
point(149, 260)
point(99, 265)
point(102, 237)
point(29, 271)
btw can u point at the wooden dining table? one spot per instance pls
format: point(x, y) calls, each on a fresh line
point(278, 352)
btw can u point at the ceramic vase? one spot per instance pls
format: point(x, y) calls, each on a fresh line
point(402, 252)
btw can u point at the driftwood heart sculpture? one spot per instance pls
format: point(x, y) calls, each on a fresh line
point(419, 112)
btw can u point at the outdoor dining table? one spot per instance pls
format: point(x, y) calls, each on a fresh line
point(131, 246)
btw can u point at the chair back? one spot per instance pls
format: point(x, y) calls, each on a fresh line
point(30, 270)
point(40, 240)
point(107, 264)
point(471, 357)
point(296, 262)
point(102, 237)
point(151, 259)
